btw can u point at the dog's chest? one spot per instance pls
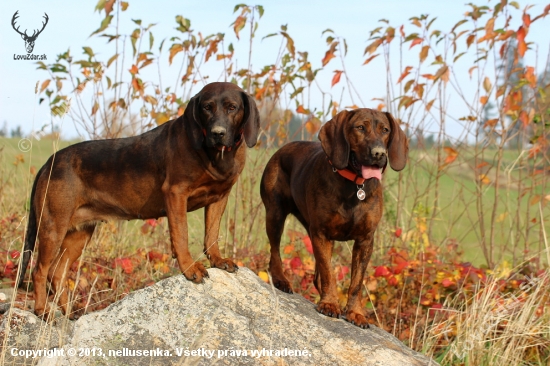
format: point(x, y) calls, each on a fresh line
point(353, 220)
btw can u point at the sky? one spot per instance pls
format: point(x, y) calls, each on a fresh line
point(71, 23)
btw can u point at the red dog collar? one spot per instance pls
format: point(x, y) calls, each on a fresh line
point(349, 175)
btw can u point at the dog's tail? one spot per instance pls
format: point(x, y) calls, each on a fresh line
point(30, 237)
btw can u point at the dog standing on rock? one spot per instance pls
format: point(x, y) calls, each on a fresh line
point(334, 190)
point(183, 165)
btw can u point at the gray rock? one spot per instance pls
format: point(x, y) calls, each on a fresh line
point(222, 322)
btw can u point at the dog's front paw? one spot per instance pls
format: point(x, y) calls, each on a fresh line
point(357, 319)
point(282, 284)
point(196, 273)
point(224, 263)
point(329, 309)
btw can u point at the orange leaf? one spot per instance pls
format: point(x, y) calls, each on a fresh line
point(484, 179)
point(491, 122)
point(402, 31)
point(424, 53)
point(526, 20)
point(313, 126)
point(288, 249)
point(429, 105)
point(536, 198)
point(380, 106)
point(483, 100)
point(428, 76)
point(329, 55)
point(336, 77)
point(308, 244)
point(355, 106)
point(44, 85)
point(531, 77)
point(482, 164)
point(239, 24)
point(370, 59)
point(452, 154)
point(404, 74)
point(520, 36)
point(524, 118)
point(415, 42)
point(302, 110)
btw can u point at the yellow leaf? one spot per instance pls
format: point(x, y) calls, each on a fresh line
point(484, 179)
point(501, 217)
point(264, 276)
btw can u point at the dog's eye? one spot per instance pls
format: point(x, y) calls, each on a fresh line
point(361, 128)
point(207, 107)
point(232, 107)
point(385, 130)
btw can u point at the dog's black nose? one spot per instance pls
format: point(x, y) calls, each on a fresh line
point(218, 132)
point(378, 152)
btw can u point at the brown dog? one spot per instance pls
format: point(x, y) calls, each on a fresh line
point(183, 165)
point(334, 190)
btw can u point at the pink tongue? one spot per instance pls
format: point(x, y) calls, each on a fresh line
point(371, 172)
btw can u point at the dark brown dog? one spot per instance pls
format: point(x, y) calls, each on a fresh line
point(181, 166)
point(321, 184)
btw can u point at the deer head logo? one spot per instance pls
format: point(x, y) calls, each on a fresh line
point(29, 40)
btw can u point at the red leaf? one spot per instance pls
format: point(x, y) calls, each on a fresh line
point(402, 31)
point(392, 281)
point(307, 244)
point(381, 271)
point(14, 254)
point(126, 264)
point(415, 42)
point(336, 77)
point(295, 263)
point(398, 232)
point(447, 282)
point(134, 70)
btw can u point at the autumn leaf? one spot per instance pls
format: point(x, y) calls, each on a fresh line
point(134, 70)
point(336, 77)
point(429, 105)
point(313, 126)
point(484, 179)
point(415, 42)
point(483, 100)
point(530, 76)
point(452, 154)
point(307, 243)
point(442, 73)
point(520, 37)
point(239, 24)
point(524, 118)
point(404, 74)
point(370, 59)
point(302, 110)
point(487, 84)
point(174, 50)
point(44, 85)
point(491, 122)
point(329, 55)
point(424, 53)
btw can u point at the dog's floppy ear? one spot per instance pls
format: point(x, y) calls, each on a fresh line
point(333, 140)
point(251, 120)
point(192, 125)
point(398, 145)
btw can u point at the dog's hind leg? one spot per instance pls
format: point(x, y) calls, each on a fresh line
point(50, 237)
point(274, 223)
point(70, 251)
